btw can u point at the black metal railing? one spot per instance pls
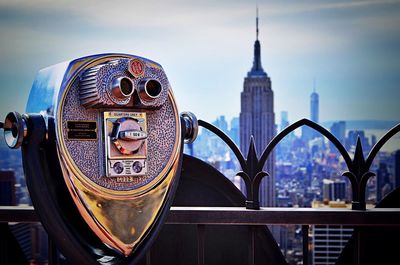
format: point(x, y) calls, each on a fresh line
point(253, 172)
point(203, 216)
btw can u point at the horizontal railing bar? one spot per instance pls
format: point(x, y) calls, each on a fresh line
point(284, 216)
point(243, 216)
point(22, 214)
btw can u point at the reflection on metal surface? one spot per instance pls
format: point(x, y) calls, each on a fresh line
point(120, 222)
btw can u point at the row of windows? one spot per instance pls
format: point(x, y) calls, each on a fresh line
point(325, 261)
point(324, 253)
point(332, 227)
point(330, 248)
point(331, 237)
point(331, 243)
point(332, 255)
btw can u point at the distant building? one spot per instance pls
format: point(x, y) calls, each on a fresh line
point(234, 132)
point(7, 188)
point(257, 119)
point(329, 240)
point(307, 133)
point(334, 190)
point(397, 168)
point(221, 123)
point(284, 120)
point(383, 185)
point(338, 129)
point(352, 140)
point(373, 140)
point(314, 106)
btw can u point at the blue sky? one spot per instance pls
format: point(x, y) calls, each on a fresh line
point(351, 48)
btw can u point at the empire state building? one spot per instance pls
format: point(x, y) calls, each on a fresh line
point(257, 119)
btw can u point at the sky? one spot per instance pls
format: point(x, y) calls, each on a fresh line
point(351, 49)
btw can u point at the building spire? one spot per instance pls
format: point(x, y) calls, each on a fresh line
point(257, 70)
point(257, 22)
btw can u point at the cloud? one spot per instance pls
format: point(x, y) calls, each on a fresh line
point(299, 7)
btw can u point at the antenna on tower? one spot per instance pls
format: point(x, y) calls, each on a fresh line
point(257, 20)
point(315, 86)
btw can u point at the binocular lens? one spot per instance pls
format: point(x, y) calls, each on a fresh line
point(153, 88)
point(126, 87)
point(122, 88)
point(149, 89)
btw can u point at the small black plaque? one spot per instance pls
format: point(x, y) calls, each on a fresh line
point(82, 130)
point(81, 125)
point(82, 135)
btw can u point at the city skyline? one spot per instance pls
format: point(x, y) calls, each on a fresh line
point(350, 48)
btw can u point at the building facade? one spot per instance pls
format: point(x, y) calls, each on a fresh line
point(328, 241)
point(257, 119)
point(7, 188)
point(397, 169)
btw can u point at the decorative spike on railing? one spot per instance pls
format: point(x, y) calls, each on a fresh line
point(252, 175)
point(252, 167)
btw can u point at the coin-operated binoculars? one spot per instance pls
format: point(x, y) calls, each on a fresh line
point(102, 145)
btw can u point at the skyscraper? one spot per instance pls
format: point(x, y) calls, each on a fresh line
point(7, 188)
point(351, 140)
point(284, 120)
point(338, 129)
point(221, 123)
point(234, 132)
point(314, 106)
point(334, 190)
point(257, 119)
point(329, 240)
point(307, 133)
point(383, 186)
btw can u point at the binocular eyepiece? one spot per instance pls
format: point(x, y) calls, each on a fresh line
point(149, 89)
point(122, 87)
point(123, 82)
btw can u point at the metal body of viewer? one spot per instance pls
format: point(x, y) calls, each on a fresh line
point(102, 151)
